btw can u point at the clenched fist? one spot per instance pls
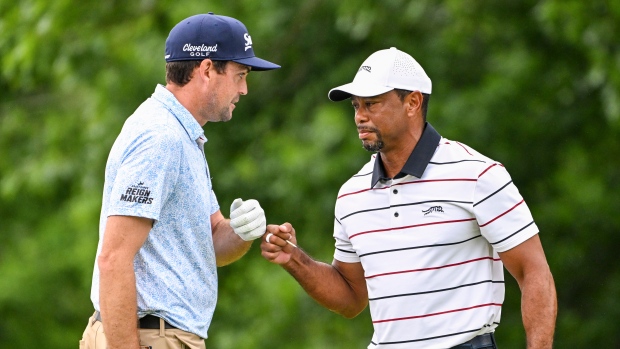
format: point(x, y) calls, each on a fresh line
point(247, 219)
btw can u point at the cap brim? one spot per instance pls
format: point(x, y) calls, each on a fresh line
point(257, 64)
point(345, 91)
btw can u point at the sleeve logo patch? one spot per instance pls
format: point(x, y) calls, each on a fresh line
point(138, 194)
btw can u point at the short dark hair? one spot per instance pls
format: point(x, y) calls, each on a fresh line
point(425, 97)
point(180, 72)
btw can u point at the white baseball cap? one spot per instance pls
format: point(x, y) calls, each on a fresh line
point(384, 71)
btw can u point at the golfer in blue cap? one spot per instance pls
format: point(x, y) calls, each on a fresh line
point(161, 232)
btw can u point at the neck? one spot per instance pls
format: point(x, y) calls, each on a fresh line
point(394, 161)
point(394, 158)
point(186, 98)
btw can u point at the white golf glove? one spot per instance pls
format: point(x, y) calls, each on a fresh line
point(247, 219)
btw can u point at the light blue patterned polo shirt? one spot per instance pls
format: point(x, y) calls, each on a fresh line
point(156, 169)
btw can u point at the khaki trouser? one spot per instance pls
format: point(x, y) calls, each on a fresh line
point(94, 338)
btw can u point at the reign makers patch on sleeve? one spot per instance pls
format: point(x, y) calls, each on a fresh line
point(137, 193)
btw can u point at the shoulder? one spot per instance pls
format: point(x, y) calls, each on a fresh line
point(145, 133)
point(449, 150)
point(361, 180)
point(153, 119)
point(459, 157)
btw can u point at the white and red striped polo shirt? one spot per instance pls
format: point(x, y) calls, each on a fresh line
point(428, 242)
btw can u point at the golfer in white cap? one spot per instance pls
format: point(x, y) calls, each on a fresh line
point(422, 232)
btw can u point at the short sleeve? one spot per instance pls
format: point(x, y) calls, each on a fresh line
point(502, 214)
point(344, 249)
point(215, 206)
point(147, 174)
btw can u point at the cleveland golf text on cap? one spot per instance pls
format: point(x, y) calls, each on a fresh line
point(219, 38)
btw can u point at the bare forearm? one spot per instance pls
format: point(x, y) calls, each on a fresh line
point(340, 287)
point(539, 309)
point(229, 247)
point(527, 263)
point(119, 307)
point(124, 236)
point(325, 284)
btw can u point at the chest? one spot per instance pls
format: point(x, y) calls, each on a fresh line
point(409, 214)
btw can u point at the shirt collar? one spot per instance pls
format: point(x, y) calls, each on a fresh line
point(186, 119)
point(418, 159)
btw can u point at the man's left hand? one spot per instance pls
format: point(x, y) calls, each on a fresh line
point(247, 219)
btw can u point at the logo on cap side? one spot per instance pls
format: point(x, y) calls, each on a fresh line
point(202, 48)
point(248, 41)
point(365, 67)
point(199, 50)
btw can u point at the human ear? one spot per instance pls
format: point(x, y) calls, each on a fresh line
point(414, 102)
point(205, 69)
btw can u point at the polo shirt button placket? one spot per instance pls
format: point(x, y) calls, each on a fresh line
point(394, 200)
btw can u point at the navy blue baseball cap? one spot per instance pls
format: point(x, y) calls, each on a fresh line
point(215, 37)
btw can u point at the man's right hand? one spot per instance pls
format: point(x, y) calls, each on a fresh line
point(277, 250)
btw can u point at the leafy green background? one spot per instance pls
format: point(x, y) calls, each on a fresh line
point(534, 84)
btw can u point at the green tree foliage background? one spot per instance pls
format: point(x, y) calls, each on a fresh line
point(534, 84)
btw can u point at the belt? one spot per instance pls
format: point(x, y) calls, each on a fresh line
point(486, 340)
point(148, 322)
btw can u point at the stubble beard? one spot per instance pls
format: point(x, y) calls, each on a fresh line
point(375, 146)
point(222, 114)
